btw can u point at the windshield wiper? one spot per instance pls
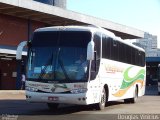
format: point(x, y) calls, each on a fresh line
point(49, 62)
point(63, 69)
point(60, 62)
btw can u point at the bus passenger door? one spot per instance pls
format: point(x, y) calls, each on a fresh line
point(94, 77)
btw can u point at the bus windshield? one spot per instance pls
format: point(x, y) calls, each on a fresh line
point(58, 56)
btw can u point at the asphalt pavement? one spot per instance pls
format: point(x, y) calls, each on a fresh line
point(13, 106)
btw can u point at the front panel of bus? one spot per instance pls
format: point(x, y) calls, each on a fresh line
point(57, 69)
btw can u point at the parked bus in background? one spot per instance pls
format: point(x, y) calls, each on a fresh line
point(83, 65)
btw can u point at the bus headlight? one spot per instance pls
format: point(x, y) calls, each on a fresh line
point(31, 89)
point(80, 90)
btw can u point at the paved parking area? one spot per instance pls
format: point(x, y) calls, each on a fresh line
point(13, 103)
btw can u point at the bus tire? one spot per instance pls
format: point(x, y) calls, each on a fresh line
point(134, 99)
point(158, 93)
point(102, 103)
point(53, 106)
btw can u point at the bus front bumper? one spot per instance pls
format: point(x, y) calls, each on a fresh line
point(79, 99)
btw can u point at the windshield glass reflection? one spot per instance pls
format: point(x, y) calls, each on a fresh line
point(61, 60)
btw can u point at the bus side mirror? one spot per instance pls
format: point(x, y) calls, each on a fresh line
point(20, 49)
point(90, 51)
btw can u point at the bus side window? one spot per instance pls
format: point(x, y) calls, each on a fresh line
point(143, 59)
point(122, 52)
point(133, 56)
point(114, 50)
point(106, 47)
point(128, 55)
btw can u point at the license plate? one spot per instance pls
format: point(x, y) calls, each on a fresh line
point(53, 98)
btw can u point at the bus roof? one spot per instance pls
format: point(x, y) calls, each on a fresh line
point(90, 28)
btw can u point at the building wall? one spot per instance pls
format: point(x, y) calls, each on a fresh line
point(148, 42)
point(152, 41)
point(60, 3)
point(7, 74)
point(13, 30)
point(57, 3)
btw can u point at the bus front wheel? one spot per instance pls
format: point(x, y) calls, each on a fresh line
point(102, 103)
point(53, 106)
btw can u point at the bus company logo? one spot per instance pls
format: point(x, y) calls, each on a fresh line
point(113, 69)
point(38, 85)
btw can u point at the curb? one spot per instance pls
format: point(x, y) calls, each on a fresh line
point(12, 91)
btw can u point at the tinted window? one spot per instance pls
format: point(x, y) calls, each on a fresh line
point(133, 60)
point(118, 51)
point(61, 38)
point(58, 56)
point(122, 52)
point(106, 47)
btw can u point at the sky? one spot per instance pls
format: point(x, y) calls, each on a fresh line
point(140, 14)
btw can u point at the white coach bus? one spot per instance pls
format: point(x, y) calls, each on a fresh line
point(83, 65)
